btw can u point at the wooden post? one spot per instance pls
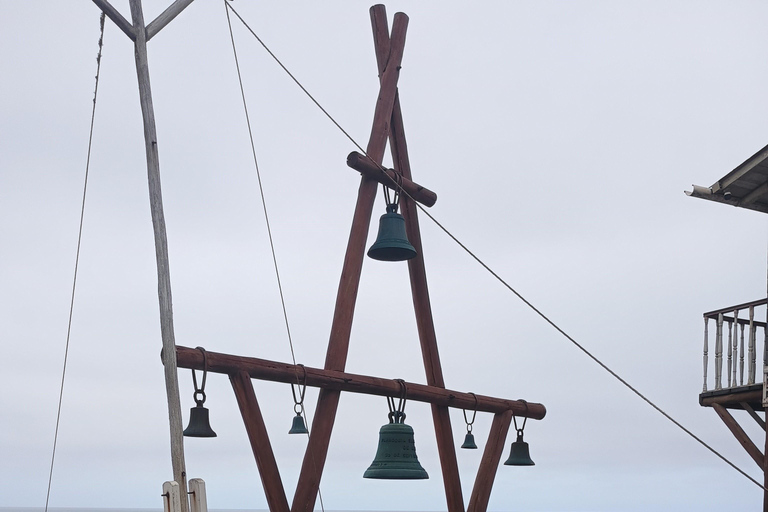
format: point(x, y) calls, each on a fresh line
point(346, 297)
point(259, 438)
point(418, 278)
point(161, 253)
point(486, 473)
point(765, 470)
point(706, 350)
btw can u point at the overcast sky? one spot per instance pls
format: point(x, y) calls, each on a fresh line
point(559, 137)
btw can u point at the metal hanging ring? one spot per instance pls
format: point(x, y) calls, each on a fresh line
point(201, 390)
point(302, 387)
point(400, 412)
point(474, 413)
point(525, 418)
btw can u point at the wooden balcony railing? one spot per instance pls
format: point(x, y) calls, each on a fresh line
point(738, 322)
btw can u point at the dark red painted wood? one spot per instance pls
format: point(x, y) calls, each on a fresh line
point(259, 438)
point(338, 345)
point(486, 473)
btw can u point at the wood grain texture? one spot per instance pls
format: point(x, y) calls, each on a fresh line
point(335, 381)
point(161, 254)
point(116, 18)
point(388, 177)
point(739, 434)
point(346, 297)
point(259, 438)
point(486, 473)
point(418, 276)
point(166, 17)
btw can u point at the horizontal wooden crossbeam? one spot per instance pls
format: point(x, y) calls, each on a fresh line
point(388, 177)
point(263, 369)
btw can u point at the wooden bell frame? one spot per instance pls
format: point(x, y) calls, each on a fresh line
point(331, 379)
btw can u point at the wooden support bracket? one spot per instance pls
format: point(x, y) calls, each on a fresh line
point(739, 434)
point(760, 421)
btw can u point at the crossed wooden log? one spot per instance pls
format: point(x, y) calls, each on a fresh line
point(332, 379)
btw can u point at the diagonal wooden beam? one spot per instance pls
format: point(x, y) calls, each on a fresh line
point(166, 17)
point(346, 297)
point(760, 421)
point(259, 438)
point(113, 14)
point(418, 278)
point(388, 177)
point(739, 434)
point(486, 473)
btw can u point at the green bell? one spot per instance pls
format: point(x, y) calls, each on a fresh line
point(199, 425)
point(299, 427)
point(469, 442)
point(392, 243)
point(396, 456)
point(518, 455)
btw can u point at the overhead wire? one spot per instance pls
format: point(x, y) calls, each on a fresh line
point(269, 230)
point(77, 262)
point(491, 271)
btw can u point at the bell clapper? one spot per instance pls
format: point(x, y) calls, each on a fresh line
point(299, 426)
point(469, 439)
point(199, 424)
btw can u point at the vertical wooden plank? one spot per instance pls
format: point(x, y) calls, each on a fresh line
point(259, 438)
point(735, 348)
point(486, 473)
point(418, 278)
point(346, 297)
point(752, 353)
point(741, 356)
point(171, 497)
point(730, 355)
point(719, 353)
point(765, 470)
point(161, 253)
point(198, 499)
point(706, 351)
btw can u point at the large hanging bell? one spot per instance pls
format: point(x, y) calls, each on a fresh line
point(299, 427)
point(469, 442)
point(392, 243)
point(396, 456)
point(518, 455)
point(199, 426)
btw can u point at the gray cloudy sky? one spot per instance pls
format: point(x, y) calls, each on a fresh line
point(559, 137)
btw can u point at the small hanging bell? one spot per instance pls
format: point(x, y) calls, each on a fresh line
point(518, 455)
point(469, 442)
point(396, 455)
point(199, 426)
point(392, 242)
point(299, 427)
point(469, 439)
